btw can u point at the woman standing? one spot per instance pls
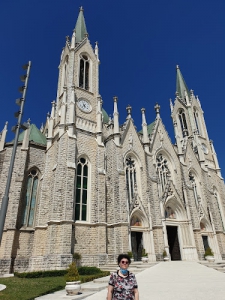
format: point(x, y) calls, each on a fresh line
point(123, 284)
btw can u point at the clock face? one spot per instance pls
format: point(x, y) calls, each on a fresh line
point(84, 105)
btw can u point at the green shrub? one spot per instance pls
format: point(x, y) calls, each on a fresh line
point(77, 256)
point(130, 254)
point(164, 253)
point(87, 278)
point(40, 274)
point(143, 253)
point(57, 273)
point(88, 270)
point(72, 273)
point(208, 252)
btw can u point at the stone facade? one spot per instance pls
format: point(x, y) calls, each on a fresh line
point(100, 188)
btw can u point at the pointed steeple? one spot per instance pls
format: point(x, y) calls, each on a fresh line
point(181, 86)
point(80, 28)
point(3, 136)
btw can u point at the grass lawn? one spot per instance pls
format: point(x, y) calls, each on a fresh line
point(30, 288)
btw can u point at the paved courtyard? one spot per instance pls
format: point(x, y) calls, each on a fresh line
point(170, 281)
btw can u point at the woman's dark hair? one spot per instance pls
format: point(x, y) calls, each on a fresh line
point(121, 256)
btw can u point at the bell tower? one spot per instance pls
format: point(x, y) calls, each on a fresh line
point(189, 123)
point(78, 84)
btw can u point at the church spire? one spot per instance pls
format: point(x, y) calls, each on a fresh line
point(80, 28)
point(3, 136)
point(181, 86)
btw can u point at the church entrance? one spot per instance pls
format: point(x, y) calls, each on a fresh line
point(136, 244)
point(205, 241)
point(173, 242)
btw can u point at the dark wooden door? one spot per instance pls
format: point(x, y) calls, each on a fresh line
point(136, 242)
point(205, 241)
point(173, 242)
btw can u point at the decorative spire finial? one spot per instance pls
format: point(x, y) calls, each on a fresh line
point(81, 8)
point(157, 110)
point(171, 105)
point(143, 116)
point(129, 109)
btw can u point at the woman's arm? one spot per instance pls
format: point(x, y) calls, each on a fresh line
point(110, 292)
point(136, 294)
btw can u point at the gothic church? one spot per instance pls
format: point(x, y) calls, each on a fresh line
point(86, 183)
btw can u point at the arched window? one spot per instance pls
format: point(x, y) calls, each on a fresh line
point(219, 208)
point(81, 190)
point(197, 123)
point(65, 75)
point(84, 72)
point(130, 178)
point(30, 199)
point(163, 170)
point(183, 122)
point(192, 179)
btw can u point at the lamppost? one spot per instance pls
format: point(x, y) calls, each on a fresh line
point(23, 89)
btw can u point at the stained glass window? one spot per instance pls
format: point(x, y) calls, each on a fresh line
point(30, 198)
point(81, 190)
point(162, 169)
point(130, 177)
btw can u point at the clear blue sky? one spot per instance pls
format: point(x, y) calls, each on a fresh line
point(140, 44)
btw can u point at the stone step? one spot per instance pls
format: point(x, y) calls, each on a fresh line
point(134, 268)
point(93, 286)
point(218, 266)
point(220, 269)
point(101, 280)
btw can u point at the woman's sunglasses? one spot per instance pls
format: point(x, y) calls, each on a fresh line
point(124, 262)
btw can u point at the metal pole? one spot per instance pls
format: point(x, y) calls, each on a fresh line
point(5, 198)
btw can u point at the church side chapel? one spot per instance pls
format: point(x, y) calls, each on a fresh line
point(90, 184)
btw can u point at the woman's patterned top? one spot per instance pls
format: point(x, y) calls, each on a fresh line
point(123, 287)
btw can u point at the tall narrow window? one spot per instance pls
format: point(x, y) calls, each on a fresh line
point(65, 75)
point(194, 185)
point(196, 117)
point(30, 199)
point(163, 170)
point(219, 208)
point(130, 178)
point(183, 122)
point(84, 72)
point(81, 190)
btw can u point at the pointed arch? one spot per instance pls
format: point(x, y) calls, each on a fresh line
point(85, 66)
point(30, 199)
point(205, 225)
point(164, 168)
point(64, 73)
point(197, 121)
point(219, 206)
point(195, 183)
point(174, 209)
point(183, 122)
point(132, 176)
point(138, 219)
point(82, 190)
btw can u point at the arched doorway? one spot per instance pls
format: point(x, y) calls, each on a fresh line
point(140, 239)
point(136, 237)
